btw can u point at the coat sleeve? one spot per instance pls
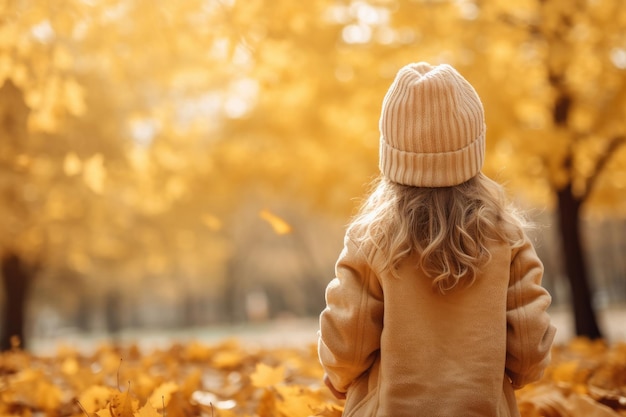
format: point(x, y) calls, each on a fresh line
point(529, 331)
point(351, 323)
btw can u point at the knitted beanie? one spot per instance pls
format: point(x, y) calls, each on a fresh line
point(432, 128)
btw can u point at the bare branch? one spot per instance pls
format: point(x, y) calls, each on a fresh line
point(610, 150)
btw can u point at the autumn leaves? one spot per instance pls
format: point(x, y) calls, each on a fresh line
point(231, 380)
point(225, 379)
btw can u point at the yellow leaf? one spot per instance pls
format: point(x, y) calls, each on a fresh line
point(19, 74)
point(147, 411)
point(122, 405)
point(180, 407)
point(280, 226)
point(211, 221)
point(70, 366)
point(94, 173)
point(228, 354)
point(196, 351)
point(565, 372)
point(105, 412)
point(266, 404)
point(191, 383)
point(32, 388)
point(294, 402)
point(72, 164)
point(328, 410)
point(227, 359)
point(43, 120)
point(74, 97)
point(95, 398)
point(162, 394)
point(174, 188)
point(62, 58)
point(266, 376)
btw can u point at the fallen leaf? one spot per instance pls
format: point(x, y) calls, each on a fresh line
point(147, 411)
point(266, 376)
point(122, 405)
point(95, 398)
point(162, 395)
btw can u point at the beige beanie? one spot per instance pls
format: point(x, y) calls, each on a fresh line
point(432, 128)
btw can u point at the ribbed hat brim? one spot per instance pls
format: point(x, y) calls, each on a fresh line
point(441, 169)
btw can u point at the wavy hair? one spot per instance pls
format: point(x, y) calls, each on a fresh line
point(449, 227)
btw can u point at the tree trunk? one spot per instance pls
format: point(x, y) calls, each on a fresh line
point(575, 266)
point(231, 293)
point(16, 279)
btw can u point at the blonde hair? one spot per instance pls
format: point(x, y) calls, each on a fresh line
point(449, 227)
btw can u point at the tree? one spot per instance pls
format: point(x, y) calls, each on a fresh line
point(574, 100)
point(14, 265)
point(570, 129)
point(75, 123)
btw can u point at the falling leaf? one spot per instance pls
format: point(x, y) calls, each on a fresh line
point(280, 226)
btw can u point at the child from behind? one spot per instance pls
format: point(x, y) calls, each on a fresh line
point(437, 307)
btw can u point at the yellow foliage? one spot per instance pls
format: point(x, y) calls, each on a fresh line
point(72, 164)
point(585, 378)
point(211, 221)
point(33, 389)
point(174, 110)
point(94, 173)
point(73, 95)
point(124, 115)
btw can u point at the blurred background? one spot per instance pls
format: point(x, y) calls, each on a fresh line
point(172, 165)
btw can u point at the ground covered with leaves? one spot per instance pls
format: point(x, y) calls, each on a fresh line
point(227, 379)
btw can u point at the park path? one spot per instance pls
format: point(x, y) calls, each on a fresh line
point(612, 322)
point(289, 332)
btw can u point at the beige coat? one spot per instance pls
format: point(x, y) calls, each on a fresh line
point(400, 349)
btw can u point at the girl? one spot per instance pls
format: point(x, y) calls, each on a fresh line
point(437, 307)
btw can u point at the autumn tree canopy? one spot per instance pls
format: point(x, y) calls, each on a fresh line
point(132, 130)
